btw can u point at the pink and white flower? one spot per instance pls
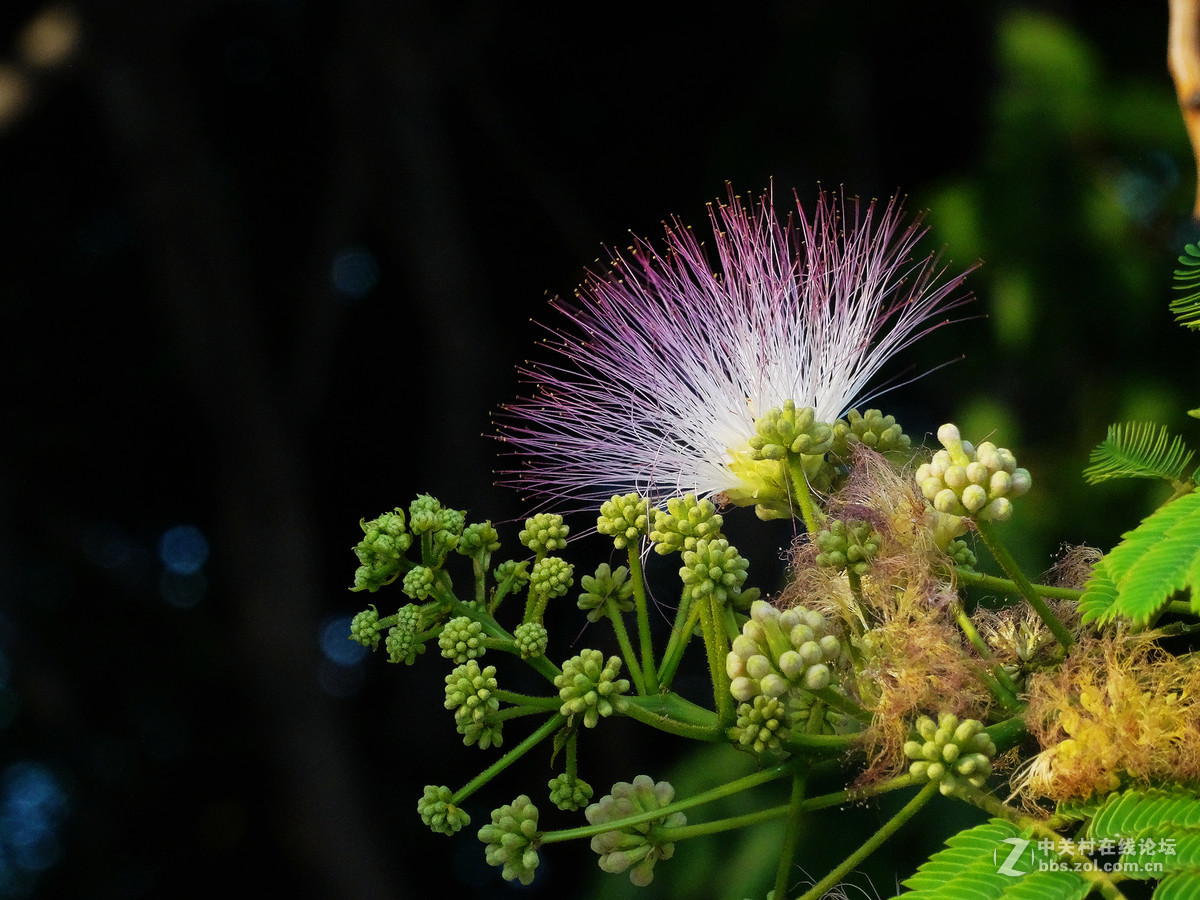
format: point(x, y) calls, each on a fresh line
point(662, 363)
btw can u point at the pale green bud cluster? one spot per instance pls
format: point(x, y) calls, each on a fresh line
point(786, 429)
point(847, 546)
point(512, 569)
point(425, 514)
point(685, 521)
point(531, 638)
point(551, 577)
point(479, 539)
point(607, 584)
point(779, 652)
point(462, 639)
point(418, 582)
point(963, 480)
point(512, 840)
point(961, 554)
point(403, 642)
point(589, 687)
point(951, 752)
point(713, 569)
point(544, 533)
point(384, 541)
point(762, 725)
point(624, 519)
point(569, 792)
point(364, 628)
point(633, 848)
point(872, 429)
point(470, 693)
point(438, 813)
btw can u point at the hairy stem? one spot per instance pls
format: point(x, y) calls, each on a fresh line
point(547, 728)
point(618, 624)
point(643, 619)
point(1009, 565)
point(791, 836)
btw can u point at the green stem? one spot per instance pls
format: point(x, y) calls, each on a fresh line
point(1009, 689)
point(686, 619)
point(716, 826)
point(795, 466)
point(674, 715)
point(1009, 565)
point(550, 703)
point(492, 629)
point(547, 728)
point(996, 583)
point(872, 844)
point(618, 624)
point(791, 835)
point(643, 619)
point(844, 704)
point(725, 790)
point(716, 642)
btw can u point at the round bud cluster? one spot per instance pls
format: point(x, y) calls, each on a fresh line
point(479, 539)
point(512, 840)
point(961, 554)
point(425, 514)
point(453, 521)
point(963, 480)
point(589, 686)
point(462, 639)
point(607, 584)
point(785, 430)
point(511, 569)
point(633, 848)
point(531, 638)
point(384, 542)
point(437, 811)
point(403, 639)
point(544, 533)
point(624, 519)
point(713, 569)
point(418, 582)
point(761, 725)
point(364, 628)
point(551, 577)
point(778, 652)
point(685, 521)
point(569, 792)
point(470, 693)
point(951, 752)
point(874, 430)
point(847, 546)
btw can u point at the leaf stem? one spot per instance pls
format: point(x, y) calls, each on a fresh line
point(546, 729)
point(1009, 565)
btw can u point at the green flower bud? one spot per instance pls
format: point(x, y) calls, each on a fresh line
point(512, 839)
point(607, 584)
point(786, 429)
point(874, 430)
point(462, 639)
point(364, 628)
point(962, 480)
point(551, 577)
point(624, 519)
point(713, 569)
point(479, 539)
point(761, 725)
point(685, 521)
point(953, 753)
point(425, 514)
point(511, 569)
point(470, 693)
point(569, 792)
point(531, 638)
point(589, 686)
point(781, 654)
point(634, 849)
point(439, 813)
point(544, 533)
point(403, 642)
point(418, 582)
point(847, 544)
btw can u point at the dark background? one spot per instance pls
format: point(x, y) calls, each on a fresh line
point(265, 268)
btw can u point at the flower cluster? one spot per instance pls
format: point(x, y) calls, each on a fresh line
point(963, 480)
point(778, 652)
point(665, 362)
point(634, 847)
point(437, 810)
point(470, 693)
point(713, 569)
point(624, 519)
point(950, 752)
point(589, 686)
point(685, 521)
point(512, 840)
point(872, 429)
point(608, 588)
point(847, 545)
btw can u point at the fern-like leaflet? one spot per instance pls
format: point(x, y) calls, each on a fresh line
point(1187, 279)
point(1138, 450)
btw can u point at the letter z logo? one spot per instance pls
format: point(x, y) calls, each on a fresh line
point(1007, 867)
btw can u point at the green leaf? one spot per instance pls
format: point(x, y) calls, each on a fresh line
point(1138, 450)
point(1153, 561)
point(1187, 281)
point(1179, 886)
point(976, 864)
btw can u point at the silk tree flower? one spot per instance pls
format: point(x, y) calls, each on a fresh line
point(662, 363)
